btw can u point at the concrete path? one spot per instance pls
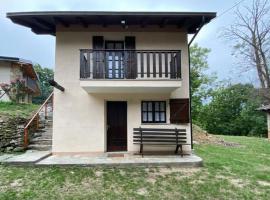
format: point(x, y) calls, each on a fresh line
point(5, 157)
point(29, 157)
point(186, 161)
point(44, 158)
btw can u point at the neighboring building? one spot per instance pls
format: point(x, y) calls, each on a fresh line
point(12, 69)
point(266, 109)
point(120, 71)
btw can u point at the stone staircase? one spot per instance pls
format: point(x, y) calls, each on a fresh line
point(41, 139)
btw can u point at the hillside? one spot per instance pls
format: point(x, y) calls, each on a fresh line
point(13, 118)
point(201, 136)
point(18, 110)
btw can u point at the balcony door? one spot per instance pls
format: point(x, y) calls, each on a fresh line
point(114, 59)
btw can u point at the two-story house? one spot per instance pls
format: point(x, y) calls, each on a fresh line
point(120, 71)
point(16, 69)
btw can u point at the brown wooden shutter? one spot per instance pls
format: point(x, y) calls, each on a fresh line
point(179, 111)
point(130, 57)
point(98, 57)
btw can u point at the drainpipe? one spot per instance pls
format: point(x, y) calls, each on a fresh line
point(189, 68)
point(197, 31)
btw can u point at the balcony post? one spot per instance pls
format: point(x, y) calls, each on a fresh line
point(46, 106)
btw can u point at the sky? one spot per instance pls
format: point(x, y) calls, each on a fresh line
point(19, 41)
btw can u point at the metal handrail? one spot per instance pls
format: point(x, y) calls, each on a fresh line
point(35, 116)
point(3, 94)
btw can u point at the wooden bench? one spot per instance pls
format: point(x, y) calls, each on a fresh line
point(154, 136)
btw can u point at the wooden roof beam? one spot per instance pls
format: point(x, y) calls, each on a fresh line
point(164, 22)
point(83, 22)
point(59, 20)
point(182, 23)
point(144, 22)
point(44, 24)
point(195, 27)
point(104, 22)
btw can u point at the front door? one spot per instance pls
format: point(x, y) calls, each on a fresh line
point(116, 126)
point(114, 59)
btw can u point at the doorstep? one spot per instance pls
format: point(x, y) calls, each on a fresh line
point(131, 160)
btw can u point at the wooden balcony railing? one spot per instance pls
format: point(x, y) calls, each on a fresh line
point(130, 64)
point(31, 84)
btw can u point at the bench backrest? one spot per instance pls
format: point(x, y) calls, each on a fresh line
point(159, 136)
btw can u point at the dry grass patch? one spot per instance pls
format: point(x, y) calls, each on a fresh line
point(264, 183)
point(203, 137)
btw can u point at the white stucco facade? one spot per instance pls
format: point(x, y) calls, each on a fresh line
point(79, 124)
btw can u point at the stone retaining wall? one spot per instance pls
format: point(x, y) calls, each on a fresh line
point(11, 133)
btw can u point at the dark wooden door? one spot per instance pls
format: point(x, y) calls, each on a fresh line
point(116, 126)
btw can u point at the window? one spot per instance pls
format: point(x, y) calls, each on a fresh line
point(153, 111)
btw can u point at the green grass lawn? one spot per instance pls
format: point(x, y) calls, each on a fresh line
point(16, 109)
point(241, 172)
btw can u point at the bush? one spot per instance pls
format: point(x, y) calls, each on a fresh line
point(232, 111)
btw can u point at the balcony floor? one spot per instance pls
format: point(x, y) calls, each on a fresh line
point(130, 86)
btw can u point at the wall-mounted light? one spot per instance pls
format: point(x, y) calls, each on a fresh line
point(124, 24)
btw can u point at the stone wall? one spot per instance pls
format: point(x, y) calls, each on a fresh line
point(11, 133)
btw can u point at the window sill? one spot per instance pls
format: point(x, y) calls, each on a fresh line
point(160, 123)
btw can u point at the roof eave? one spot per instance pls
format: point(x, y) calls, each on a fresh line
point(91, 13)
point(45, 22)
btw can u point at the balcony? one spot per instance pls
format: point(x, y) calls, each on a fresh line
point(130, 70)
point(31, 84)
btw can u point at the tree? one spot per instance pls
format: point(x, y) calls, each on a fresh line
point(251, 34)
point(232, 111)
point(200, 81)
point(44, 74)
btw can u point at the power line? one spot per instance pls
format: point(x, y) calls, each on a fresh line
point(224, 12)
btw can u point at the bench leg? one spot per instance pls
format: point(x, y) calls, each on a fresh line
point(141, 149)
point(181, 151)
point(176, 150)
